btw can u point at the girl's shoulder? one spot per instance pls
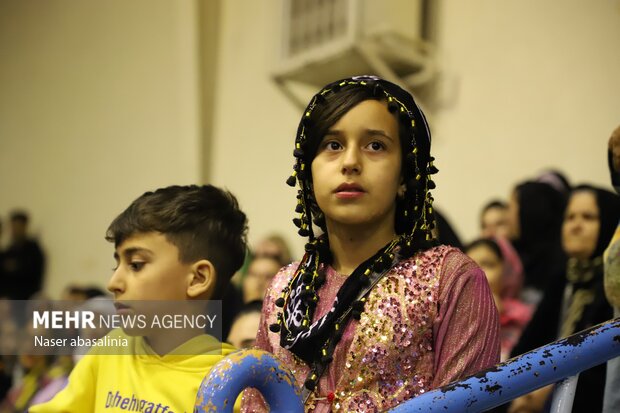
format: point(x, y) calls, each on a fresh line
point(287, 271)
point(447, 263)
point(281, 279)
point(438, 256)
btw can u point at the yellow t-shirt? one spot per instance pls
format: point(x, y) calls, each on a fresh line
point(139, 380)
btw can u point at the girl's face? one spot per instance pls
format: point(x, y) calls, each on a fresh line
point(581, 225)
point(357, 169)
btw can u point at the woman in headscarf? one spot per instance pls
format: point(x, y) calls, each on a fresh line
point(535, 212)
point(376, 312)
point(589, 223)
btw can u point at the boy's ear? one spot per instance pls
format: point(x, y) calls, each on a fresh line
point(203, 278)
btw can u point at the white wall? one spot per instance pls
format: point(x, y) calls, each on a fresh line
point(255, 124)
point(98, 105)
point(525, 85)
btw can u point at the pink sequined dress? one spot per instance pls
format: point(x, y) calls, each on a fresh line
point(431, 320)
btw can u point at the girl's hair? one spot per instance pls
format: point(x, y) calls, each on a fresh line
point(414, 216)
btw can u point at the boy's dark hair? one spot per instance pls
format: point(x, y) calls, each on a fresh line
point(203, 222)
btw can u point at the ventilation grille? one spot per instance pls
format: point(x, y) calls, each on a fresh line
point(312, 24)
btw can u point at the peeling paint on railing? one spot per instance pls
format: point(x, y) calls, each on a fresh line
point(248, 368)
point(520, 375)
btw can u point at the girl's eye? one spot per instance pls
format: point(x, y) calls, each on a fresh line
point(136, 265)
point(376, 146)
point(332, 146)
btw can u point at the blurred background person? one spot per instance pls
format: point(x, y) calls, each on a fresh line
point(251, 281)
point(576, 301)
point(79, 294)
point(44, 376)
point(23, 261)
point(535, 213)
point(2, 289)
point(8, 346)
point(37, 374)
point(245, 326)
point(557, 180)
point(503, 280)
point(274, 246)
point(100, 306)
point(261, 271)
point(36, 366)
point(494, 219)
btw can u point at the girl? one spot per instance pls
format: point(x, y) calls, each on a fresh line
point(375, 313)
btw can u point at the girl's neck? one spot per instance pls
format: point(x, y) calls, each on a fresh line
point(352, 245)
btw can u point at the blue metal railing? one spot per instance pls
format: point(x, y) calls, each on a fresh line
point(249, 368)
point(523, 374)
point(485, 390)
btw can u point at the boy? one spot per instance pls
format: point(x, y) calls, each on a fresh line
point(178, 244)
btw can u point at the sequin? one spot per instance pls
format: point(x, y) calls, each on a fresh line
point(388, 356)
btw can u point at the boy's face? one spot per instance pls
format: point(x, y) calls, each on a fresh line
point(148, 268)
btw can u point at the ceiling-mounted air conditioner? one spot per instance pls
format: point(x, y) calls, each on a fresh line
point(325, 40)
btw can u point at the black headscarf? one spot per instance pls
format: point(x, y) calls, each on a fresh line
point(315, 341)
point(609, 214)
point(541, 212)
